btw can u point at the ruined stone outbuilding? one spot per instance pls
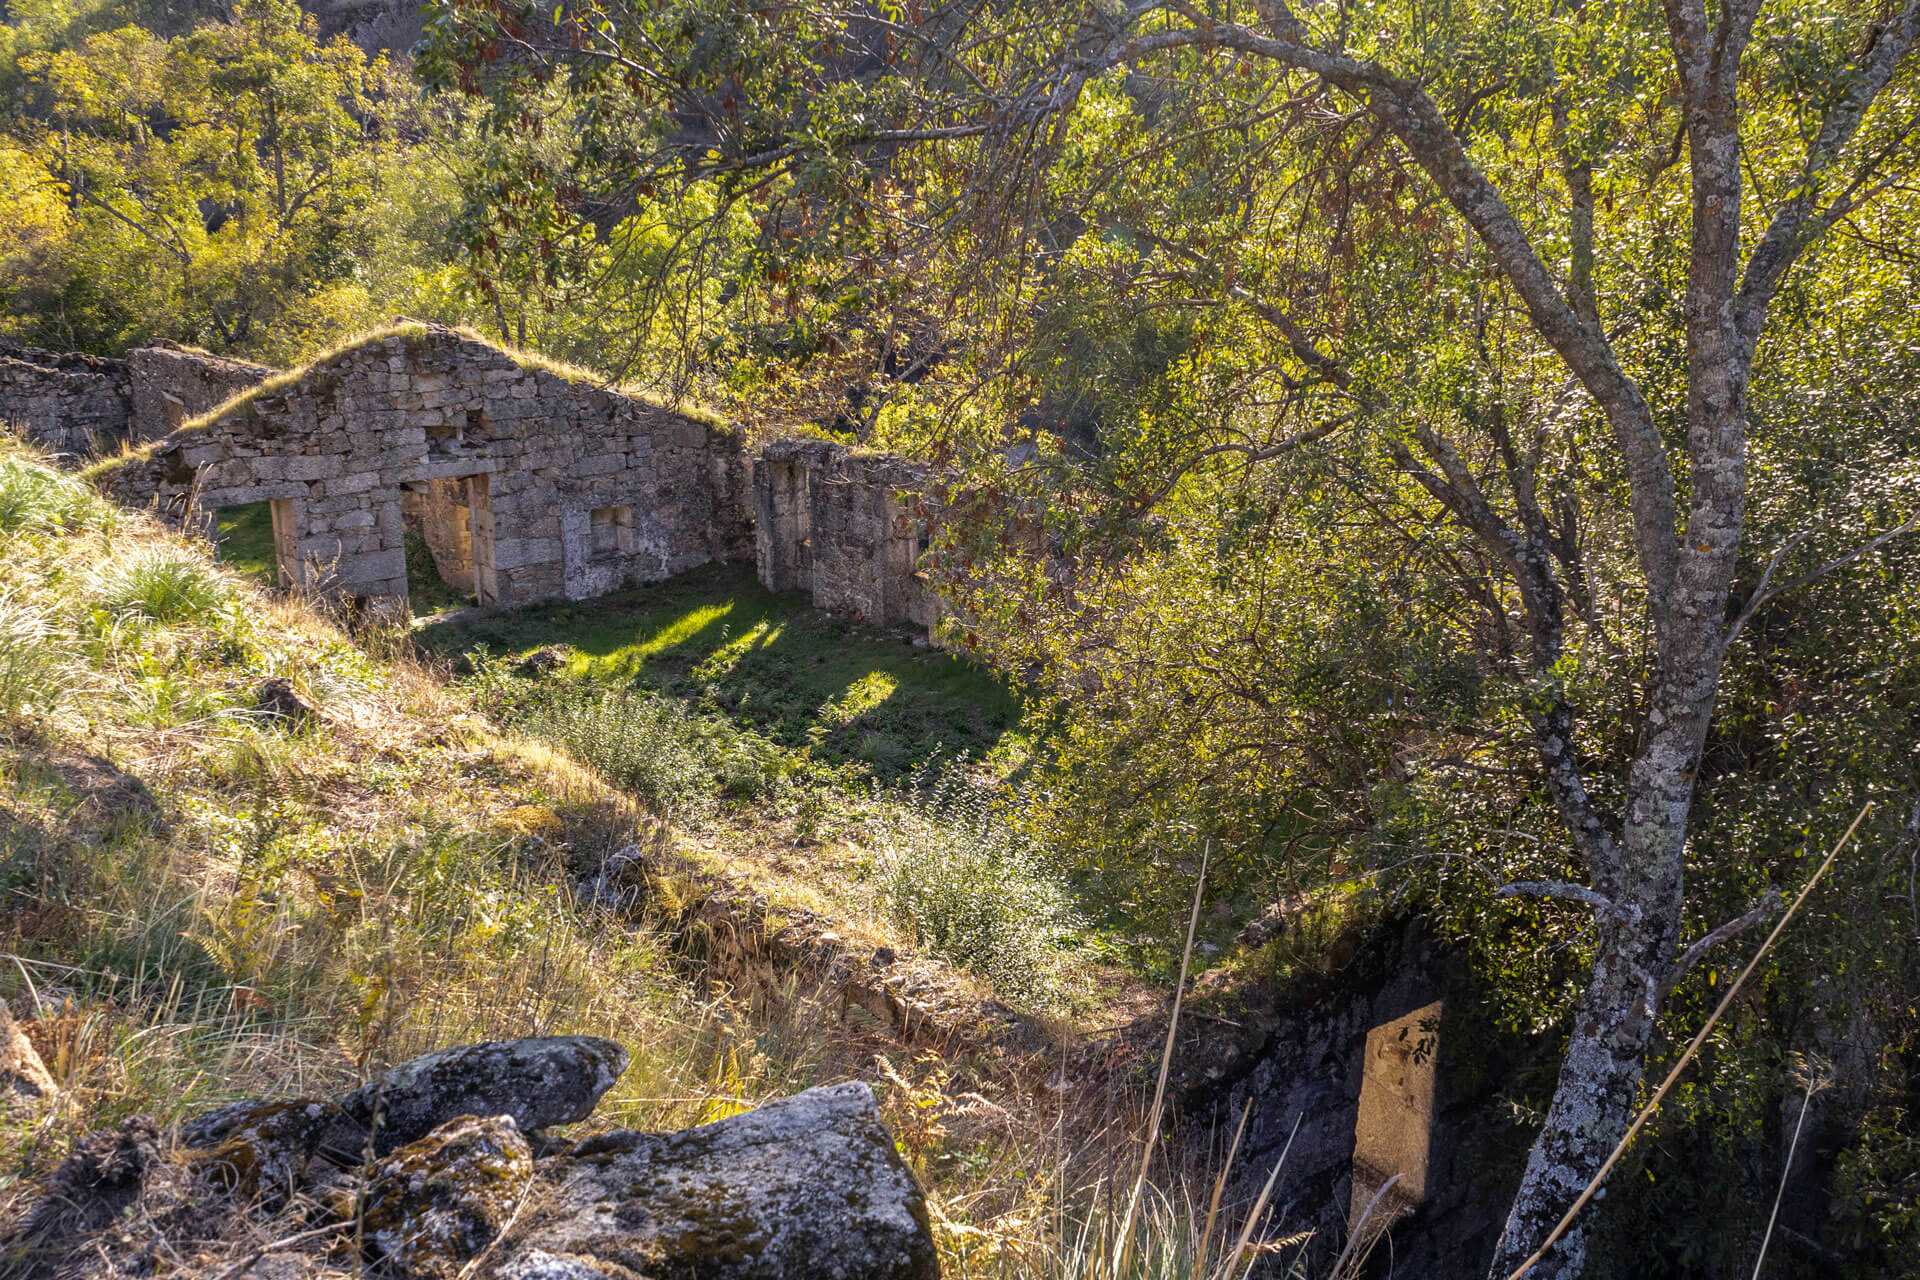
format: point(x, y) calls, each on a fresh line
point(528, 484)
point(172, 385)
point(847, 526)
point(68, 403)
point(526, 481)
point(79, 405)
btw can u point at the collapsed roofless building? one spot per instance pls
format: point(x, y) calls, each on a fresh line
point(528, 482)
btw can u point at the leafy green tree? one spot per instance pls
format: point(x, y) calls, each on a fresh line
point(1470, 299)
point(217, 182)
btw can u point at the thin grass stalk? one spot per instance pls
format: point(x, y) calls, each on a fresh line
point(1359, 1233)
point(1693, 1048)
point(1219, 1187)
point(1780, 1193)
point(1123, 1248)
point(1259, 1206)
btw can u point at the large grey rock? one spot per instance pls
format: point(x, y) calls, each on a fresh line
point(539, 1081)
point(808, 1188)
point(25, 1084)
point(433, 1205)
point(260, 1150)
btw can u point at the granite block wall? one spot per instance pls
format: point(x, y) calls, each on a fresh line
point(171, 384)
point(79, 405)
point(69, 403)
point(846, 526)
point(528, 484)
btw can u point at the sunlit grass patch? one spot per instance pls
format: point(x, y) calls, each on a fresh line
point(34, 495)
point(245, 538)
point(718, 641)
point(160, 583)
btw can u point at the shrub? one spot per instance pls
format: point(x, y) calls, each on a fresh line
point(35, 496)
point(161, 584)
point(645, 745)
point(972, 891)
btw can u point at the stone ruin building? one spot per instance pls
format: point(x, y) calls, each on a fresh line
point(79, 405)
point(527, 484)
point(847, 527)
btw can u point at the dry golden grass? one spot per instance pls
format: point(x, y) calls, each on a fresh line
point(201, 905)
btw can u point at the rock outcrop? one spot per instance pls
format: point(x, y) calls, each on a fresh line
point(539, 1081)
point(261, 1150)
point(431, 1207)
point(804, 1188)
point(808, 1186)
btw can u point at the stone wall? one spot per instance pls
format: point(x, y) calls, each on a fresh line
point(172, 384)
point(79, 405)
point(529, 484)
point(847, 527)
point(1358, 1076)
point(69, 403)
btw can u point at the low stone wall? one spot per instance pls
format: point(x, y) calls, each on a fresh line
point(69, 403)
point(847, 527)
point(172, 384)
point(529, 484)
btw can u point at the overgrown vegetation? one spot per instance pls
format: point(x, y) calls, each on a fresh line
point(718, 642)
point(1466, 453)
point(955, 875)
point(198, 903)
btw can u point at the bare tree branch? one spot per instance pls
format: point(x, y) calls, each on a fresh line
point(1761, 596)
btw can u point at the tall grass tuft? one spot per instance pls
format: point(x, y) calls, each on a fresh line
point(30, 675)
point(161, 583)
point(36, 496)
point(972, 891)
point(646, 746)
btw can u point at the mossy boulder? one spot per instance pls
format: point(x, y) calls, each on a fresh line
point(539, 1081)
point(810, 1186)
point(433, 1205)
point(260, 1150)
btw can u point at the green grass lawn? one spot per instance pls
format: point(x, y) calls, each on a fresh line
point(245, 538)
point(721, 641)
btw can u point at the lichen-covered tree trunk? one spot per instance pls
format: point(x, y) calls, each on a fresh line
point(1599, 1081)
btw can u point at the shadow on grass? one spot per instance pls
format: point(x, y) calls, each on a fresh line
point(720, 641)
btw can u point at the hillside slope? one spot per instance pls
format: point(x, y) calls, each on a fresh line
point(240, 856)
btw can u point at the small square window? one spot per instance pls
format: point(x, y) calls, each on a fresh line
point(612, 529)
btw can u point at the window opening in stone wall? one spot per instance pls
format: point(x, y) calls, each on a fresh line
point(1393, 1132)
point(612, 530)
point(446, 437)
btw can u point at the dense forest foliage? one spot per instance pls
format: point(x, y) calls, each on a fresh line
point(1333, 416)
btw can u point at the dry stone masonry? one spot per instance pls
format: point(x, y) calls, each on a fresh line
point(848, 527)
point(70, 404)
point(78, 405)
point(526, 483)
point(172, 385)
